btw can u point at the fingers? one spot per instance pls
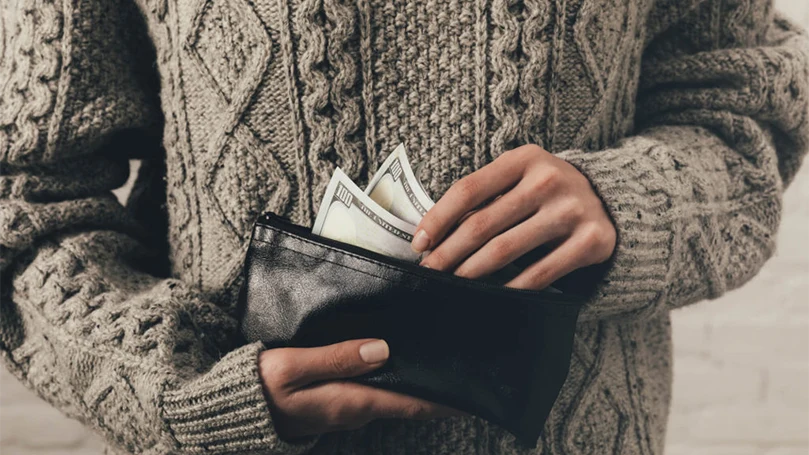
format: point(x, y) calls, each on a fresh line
point(580, 250)
point(347, 405)
point(307, 396)
point(465, 195)
point(503, 249)
point(480, 228)
point(299, 367)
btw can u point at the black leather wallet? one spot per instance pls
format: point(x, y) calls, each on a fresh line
point(495, 352)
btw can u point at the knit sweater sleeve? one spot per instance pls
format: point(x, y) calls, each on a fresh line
point(696, 193)
point(145, 361)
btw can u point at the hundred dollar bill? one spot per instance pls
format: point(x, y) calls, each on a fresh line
point(348, 215)
point(396, 189)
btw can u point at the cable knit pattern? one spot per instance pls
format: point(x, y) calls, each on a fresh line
point(536, 47)
point(505, 59)
point(689, 118)
point(33, 43)
point(309, 26)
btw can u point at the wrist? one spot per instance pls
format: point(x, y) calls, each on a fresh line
point(226, 410)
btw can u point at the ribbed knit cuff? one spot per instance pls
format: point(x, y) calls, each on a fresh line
point(225, 411)
point(638, 197)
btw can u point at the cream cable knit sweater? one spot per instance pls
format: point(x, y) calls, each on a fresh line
point(689, 117)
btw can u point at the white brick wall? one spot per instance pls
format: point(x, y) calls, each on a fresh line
point(741, 370)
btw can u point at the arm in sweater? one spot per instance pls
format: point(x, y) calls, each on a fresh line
point(136, 357)
point(723, 117)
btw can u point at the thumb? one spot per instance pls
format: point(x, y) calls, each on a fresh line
point(341, 360)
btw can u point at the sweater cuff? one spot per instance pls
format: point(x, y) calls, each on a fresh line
point(638, 197)
point(225, 411)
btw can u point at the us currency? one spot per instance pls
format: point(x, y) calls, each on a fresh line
point(396, 189)
point(384, 217)
point(348, 215)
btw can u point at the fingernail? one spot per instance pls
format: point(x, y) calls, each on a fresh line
point(421, 241)
point(423, 259)
point(374, 351)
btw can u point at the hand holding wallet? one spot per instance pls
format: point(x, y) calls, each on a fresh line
point(495, 352)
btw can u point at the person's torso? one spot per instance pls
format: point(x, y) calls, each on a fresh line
point(264, 98)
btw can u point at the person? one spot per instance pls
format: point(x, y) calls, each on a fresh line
point(654, 137)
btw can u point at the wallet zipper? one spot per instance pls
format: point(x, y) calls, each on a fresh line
point(272, 220)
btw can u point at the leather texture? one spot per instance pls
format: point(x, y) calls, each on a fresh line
point(495, 352)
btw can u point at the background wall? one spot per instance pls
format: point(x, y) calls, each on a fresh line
point(741, 369)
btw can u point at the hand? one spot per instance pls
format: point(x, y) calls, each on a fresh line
point(307, 394)
point(537, 199)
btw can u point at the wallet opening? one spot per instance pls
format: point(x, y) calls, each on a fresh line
point(273, 221)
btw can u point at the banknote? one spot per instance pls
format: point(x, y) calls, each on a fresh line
point(396, 189)
point(348, 215)
point(383, 218)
